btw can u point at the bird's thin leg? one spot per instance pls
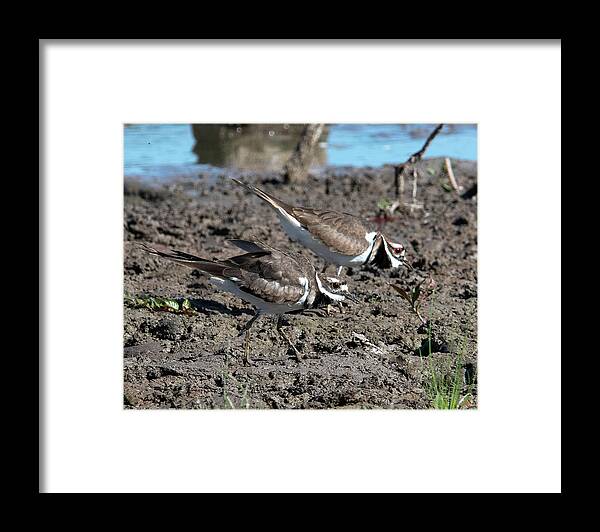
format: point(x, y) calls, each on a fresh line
point(339, 272)
point(282, 334)
point(246, 329)
point(329, 308)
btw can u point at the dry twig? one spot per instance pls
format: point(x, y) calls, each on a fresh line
point(417, 156)
point(451, 177)
point(414, 191)
point(399, 170)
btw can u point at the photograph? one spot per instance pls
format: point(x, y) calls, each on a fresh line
point(300, 266)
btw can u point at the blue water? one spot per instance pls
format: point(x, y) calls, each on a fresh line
point(162, 150)
point(157, 150)
point(378, 144)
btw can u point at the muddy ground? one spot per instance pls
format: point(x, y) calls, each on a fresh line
point(374, 355)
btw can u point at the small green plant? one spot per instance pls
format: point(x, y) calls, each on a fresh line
point(384, 204)
point(385, 212)
point(417, 295)
point(446, 390)
point(161, 304)
point(443, 181)
point(226, 399)
point(444, 387)
point(444, 184)
point(244, 402)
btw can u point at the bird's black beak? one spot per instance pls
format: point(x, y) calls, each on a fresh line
point(350, 297)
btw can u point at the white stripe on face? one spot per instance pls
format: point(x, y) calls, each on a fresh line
point(396, 263)
point(334, 282)
point(335, 297)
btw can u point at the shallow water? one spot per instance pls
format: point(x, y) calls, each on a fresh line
point(159, 151)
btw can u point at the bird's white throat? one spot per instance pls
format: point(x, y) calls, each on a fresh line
point(335, 297)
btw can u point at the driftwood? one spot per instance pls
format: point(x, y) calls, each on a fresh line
point(296, 168)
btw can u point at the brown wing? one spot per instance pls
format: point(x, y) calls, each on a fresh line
point(264, 272)
point(339, 231)
point(273, 277)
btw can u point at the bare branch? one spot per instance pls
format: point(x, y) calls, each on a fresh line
point(414, 190)
point(399, 181)
point(417, 156)
point(414, 158)
point(393, 207)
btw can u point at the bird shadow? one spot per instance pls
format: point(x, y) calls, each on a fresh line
point(178, 305)
point(208, 307)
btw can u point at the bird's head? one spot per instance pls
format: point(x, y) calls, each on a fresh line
point(388, 254)
point(333, 289)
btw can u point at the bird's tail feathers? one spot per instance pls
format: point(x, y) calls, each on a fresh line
point(274, 202)
point(180, 257)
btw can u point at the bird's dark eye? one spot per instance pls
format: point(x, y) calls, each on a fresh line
point(398, 250)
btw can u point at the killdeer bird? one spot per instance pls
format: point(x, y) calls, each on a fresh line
point(339, 238)
point(272, 281)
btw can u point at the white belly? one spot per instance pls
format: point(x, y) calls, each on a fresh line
point(264, 307)
point(296, 232)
